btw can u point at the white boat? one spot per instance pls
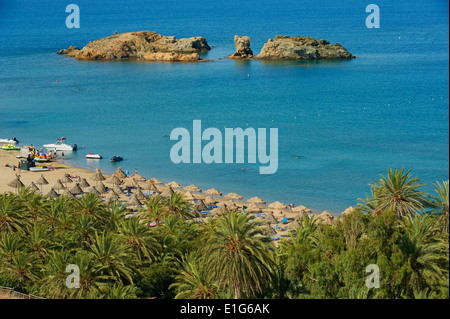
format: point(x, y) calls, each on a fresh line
point(94, 156)
point(9, 141)
point(61, 146)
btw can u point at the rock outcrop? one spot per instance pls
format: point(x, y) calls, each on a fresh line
point(243, 50)
point(146, 45)
point(302, 48)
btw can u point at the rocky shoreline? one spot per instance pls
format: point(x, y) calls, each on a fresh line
point(152, 46)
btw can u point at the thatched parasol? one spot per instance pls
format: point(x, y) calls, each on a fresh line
point(277, 205)
point(134, 202)
point(41, 181)
point(59, 186)
point(301, 208)
point(94, 190)
point(101, 188)
point(84, 183)
point(270, 218)
point(52, 193)
point(138, 178)
point(66, 179)
point(213, 192)
point(221, 209)
point(326, 217)
point(129, 182)
point(200, 205)
point(76, 190)
point(269, 230)
point(189, 197)
point(33, 187)
point(114, 180)
point(193, 188)
point(118, 190)
point(348, 211)
point(119, 173)
point(174, 185)
point(16, 183)
point(279, 213)
point(156, 181)
point(232, 206)
point(139, 193)
point(256, 200)
point(150, 185)
point(168, 192)
point(209, 200)
point(67, 193)
point(302, 215)
point(233, 196)
point(98, 176)
point(253, 209)
point(111, 197)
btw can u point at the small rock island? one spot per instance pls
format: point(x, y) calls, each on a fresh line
point(142, 45)
point(302, 48)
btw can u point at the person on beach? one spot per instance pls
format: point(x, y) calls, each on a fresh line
point(127, 173)
point(135, 171)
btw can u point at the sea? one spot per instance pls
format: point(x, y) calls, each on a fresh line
point(340, 123)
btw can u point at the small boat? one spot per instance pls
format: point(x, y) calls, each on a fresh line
point(10, 147)
point(42, 159)
point(9, 141)
point(116, 158)
point(93, 156)
point(39, 169)
point(61, 146)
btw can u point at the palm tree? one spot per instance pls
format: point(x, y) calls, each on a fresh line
point(154, 209)
point(116, 215)
point(90, 204)
point(237, 258)
point(113, 256)
point(139, 238)
point(193, 281)
point(439, 204)
point(176, 205)
point(11, 214)
point(426, 253)
point(398, 192)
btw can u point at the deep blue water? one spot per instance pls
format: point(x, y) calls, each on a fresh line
point(349, 121)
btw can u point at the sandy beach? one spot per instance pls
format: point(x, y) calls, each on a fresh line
point(7, 174)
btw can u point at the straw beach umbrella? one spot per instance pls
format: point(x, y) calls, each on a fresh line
point(256, 200)
point(33, 187)
point(271, 219)
point(232, 206)
point(150, 185)
point(277, 205)
point(52, 193)
point(174, 185)
point(112, 197)
point(200, 205)
point(301, 208)
point(98, 176)
point(118, 190)
point(114, 180)
point(41, 181)
point(326, 218)
point(129, 182)
point(139, 194)
point(213, 192)
point(59, 186)
point(84, 183)
point(76, 190)
point(119, 173)
point(16, 183)
point(156, 181)
point(67, 193)
point(233, 196)
point(94, 190)
point(168, 192)
point(350, 210)
point(193, 188)
point(209, 200)
point(66, 179)
point(134, 202)
point(139, 178)
point(102, 188)
point(189, 197)
point(253, 209)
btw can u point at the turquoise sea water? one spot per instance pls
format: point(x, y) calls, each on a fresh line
point(348, 120)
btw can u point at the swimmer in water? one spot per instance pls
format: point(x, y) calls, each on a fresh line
point(297, 157)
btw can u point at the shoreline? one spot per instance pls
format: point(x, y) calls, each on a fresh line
point(7, 174)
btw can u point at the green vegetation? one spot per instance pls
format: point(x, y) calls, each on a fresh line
point(398, 227)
